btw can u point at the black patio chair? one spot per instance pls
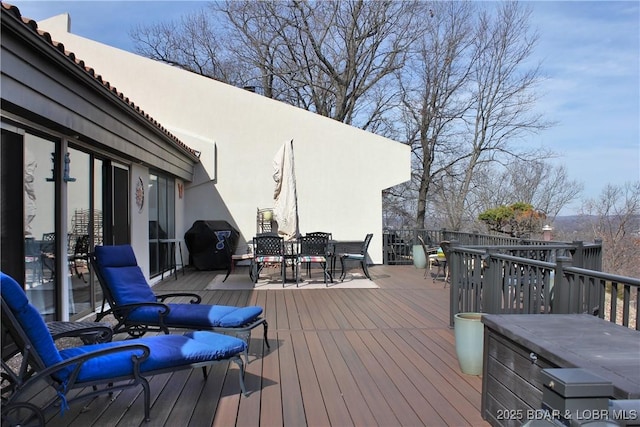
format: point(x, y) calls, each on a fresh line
point(80, 255)
point(428, 252)
point(361, 257)
point(268, 249)
point(314, 249)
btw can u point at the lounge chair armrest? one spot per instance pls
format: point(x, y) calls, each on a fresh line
point(87, 331)
point(79, 360)
point(195, 298)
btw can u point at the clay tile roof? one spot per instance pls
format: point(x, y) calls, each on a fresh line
point(33, 26)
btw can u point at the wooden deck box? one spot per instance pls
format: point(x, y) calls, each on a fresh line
point(518, 346)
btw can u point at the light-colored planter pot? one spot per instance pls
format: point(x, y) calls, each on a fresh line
point(419, 258)
point(469, 332)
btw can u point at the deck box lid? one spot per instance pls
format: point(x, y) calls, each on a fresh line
point(576, 382)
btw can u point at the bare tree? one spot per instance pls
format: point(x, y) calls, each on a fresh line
point(331, 57)
point(614, 217)
point(449, 78)
point(431, 88)
point(503, 97)
point(468, 95)
point(536, 182)
point(191, 43)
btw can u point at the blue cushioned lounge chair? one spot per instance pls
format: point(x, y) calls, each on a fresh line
point(90, 370)
point(138, 310)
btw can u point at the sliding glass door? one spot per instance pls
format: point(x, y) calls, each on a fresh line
point(161, 220)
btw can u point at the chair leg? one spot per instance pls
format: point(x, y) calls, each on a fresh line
point(229, 268)
point(327, 273)
point(342, 271)
point(147, 399)
point(266, 341)
point(254, 272)
point(240, 364)
point(283, 271)
point(365, 268)
point(446, 275)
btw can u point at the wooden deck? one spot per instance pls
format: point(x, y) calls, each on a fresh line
point(340, 357)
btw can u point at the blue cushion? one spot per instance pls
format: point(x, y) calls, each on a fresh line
point(122, 274)
point(12, 293)
point(128, 285)
point(116, 256)
point(166, 351)
point(30, 320)
point(199, 316)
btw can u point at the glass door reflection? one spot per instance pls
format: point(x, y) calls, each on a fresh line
point(39, 224)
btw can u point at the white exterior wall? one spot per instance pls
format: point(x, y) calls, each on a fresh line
point(139, 219)
point(340, 170)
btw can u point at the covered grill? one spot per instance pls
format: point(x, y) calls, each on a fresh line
point(205, 241)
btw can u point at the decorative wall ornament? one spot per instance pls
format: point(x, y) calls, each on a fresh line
point(140, 194)
point(67, 168)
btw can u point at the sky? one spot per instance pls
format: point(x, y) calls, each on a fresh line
point(590, 56)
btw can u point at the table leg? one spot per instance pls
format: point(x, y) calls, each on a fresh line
point(181, 259)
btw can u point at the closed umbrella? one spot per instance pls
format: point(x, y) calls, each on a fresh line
point(285, 197)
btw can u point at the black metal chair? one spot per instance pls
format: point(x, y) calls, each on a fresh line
point(267, 249)
point(427, 254)
point(442, 262)
point(361, 257)
point(331, 253)
point(80, 255)
point(314, 248)
point(33, 260)
point(47, 250)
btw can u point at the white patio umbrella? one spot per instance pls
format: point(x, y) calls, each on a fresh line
point(285, 207)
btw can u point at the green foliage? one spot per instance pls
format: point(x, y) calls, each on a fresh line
point(518, 219)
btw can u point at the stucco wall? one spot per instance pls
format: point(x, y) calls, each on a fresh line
point(341, 170)
point(139, 218)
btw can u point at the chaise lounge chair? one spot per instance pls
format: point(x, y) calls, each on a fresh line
point(138, 310)
point(86, 371)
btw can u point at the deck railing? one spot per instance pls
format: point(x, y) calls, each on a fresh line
point(544, 280)
point(500, 274)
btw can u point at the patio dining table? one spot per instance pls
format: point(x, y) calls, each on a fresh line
point(291, 251)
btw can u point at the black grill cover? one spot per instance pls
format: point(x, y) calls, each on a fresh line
point(205, 241)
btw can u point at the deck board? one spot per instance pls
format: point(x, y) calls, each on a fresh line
point(340, 357)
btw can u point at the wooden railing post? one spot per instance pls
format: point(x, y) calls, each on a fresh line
point(578, 253)
point(455, 297)
point(475, 239)
point(385, 248)
point(491, 284)
point(562, 287)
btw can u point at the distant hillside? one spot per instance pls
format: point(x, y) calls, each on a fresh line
point(580, 225)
